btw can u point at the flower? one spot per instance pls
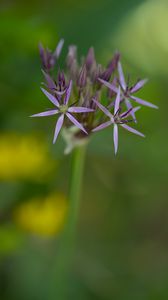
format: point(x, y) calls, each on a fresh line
point(63, 110)
point(127, 92)
point(79, 90)
point(116, 119)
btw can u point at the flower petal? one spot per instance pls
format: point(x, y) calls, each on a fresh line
point(109, 85)
point(143, 102)
point(121, 76)
point(115, 138)
point(75, 122)
point(68, 93)
point(50, 83)
point(46, 113)
point(104, 109)
point(117, 102)
point(51, 97)
point(58, 127)
point(58, 49)
point(90, 58)
point(75, 109)
point(139, 85)
point(130, 108)
point(132, 130)
point(102, 126)
point(60, 93)
point(111, 104)
point(43, 54)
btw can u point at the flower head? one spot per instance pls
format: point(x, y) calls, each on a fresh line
point(78, 94)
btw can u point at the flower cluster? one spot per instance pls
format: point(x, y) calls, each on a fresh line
point(87, 95)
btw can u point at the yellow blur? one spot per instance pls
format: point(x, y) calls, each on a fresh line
point(42, 216)
point(23, 157)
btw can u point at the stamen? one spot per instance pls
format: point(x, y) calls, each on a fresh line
point(117, 112)
point(125, 121)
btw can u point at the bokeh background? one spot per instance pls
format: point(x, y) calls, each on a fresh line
point(122, 244)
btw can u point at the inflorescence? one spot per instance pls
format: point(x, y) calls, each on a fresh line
point(88, 96)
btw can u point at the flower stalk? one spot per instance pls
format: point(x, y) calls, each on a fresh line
point(64, 260)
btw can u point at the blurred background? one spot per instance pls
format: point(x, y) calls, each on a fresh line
point(122, 244)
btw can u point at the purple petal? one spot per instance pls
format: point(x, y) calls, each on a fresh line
point(41, 49)
point(58, 127)
point(111, 104)
point(102, 126)
point(75, 122)
point(139, 85)
point(68, 93)
point(115, 138)
point(72, 51)
point(51, 97)
point(50, 83)
point(74, 109)
point(111, 86)
point(72, 57)
point(43, 55)
point(82, 78)
point(90, 58)
point(130, 107)
point(58, 49)
point(143, 102)
point(114, 62)
point(104, 109)
point(121, 76)
point(60, 93)
point(117, 102)
point(46, 113)
point(129, 112)
point(132, 130)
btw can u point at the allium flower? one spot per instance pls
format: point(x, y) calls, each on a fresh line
point(116, 119)
point(127, 92)
point(63, 110)
point(79, 97)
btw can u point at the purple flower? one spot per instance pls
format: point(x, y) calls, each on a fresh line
point(48, 58)
point(64, 110)
point(79, 89)
point(127, 92)
point(116, 119)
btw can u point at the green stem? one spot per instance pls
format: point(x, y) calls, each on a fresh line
point(65, 255)
point(76, 177)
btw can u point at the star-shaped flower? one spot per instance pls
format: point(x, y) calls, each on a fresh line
point(117, 119)
point(127, 92)
point(64, 110)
